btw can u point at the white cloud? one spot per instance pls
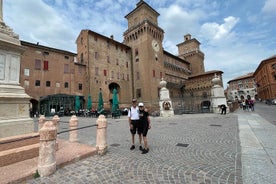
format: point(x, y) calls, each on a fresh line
point(216, 31)
point(269, 7)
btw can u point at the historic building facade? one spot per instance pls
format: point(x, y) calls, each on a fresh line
point(265, 77)
point(242, 87)
point(53, 77)
point(136, 66)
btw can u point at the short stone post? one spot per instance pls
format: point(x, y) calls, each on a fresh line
point(41, 121)
point(47, 149)
point(56, 121)
point(101, 144)
point(73, 134)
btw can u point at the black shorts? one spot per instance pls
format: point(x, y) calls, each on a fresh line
point(137, 127)
point(145, 129)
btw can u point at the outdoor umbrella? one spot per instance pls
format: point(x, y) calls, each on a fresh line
point(89, 102)
point(115, 102)
point(77, 103)
point(100, 103)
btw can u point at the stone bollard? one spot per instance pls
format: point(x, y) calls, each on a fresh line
point(101, 144)
point(56, 121)
point(73, 134)
point(41, 121)
point(47, 149)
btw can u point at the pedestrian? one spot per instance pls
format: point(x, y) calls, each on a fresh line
point(145, 121)
point(133, 119)
point(223, 109)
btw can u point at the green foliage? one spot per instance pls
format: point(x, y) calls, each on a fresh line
point(36, 175)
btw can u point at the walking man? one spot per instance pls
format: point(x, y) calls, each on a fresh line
point(145, 121)
point(134, 125)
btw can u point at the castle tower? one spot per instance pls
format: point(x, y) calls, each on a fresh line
point(189, 50)
point(145, 38)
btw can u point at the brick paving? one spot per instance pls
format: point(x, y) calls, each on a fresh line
point(194, 148)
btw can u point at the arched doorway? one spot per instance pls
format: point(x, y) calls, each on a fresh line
point(34, 111)
point(112, 86)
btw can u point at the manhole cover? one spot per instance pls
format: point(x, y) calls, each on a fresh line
point(115, 145)
point(172, 123)
point(182, 145)
point(216, 125)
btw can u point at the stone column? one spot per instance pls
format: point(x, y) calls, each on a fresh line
point(56, 121)
point(47, 149)
point(41, 121)
point(73, 134)
point(101, 144)
point(165, 103)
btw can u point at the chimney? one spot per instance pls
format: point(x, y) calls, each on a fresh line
point(112, 37)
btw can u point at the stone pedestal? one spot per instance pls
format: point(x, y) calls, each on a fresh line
point(14, 102)
point(73, 134)
point(101, 144)
point(165, 102)
point(218, 98)
point(47, 149)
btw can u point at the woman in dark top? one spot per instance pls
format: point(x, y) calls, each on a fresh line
point(145, 121)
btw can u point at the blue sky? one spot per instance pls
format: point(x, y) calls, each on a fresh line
point(235, 35)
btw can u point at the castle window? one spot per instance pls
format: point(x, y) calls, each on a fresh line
point(80, 86)
point(37, 64)
point(105, 73)
point(126, 64)
point(137, 76)
point(37, 83)
point(96, 70)
point(48, 83)
point(138, 93)
point(66, 85)
point(26, 83)
point(27, 72)
point(96, 55)
point(81, 58)
point(153, 73)
point(66, 68)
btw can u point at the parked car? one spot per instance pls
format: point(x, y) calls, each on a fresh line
point(273, 102)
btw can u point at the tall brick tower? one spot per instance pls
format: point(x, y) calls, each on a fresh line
point(189, 50)
point(145, 37)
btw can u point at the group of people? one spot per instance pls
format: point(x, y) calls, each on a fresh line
point(139, 122)
point(247, 104)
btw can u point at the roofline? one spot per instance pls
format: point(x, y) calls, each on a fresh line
point(175, 57)
point(139, 4)
point(105, 37)
point(207, 73)
point(37, 45)
point(249, 75)
point(263, 62)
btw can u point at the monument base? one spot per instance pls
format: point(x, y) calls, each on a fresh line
point(14, 111)
point(166, 113)
point(216, 102)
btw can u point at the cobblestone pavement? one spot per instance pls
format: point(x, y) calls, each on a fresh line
point(258, 142)
point(192, 149)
